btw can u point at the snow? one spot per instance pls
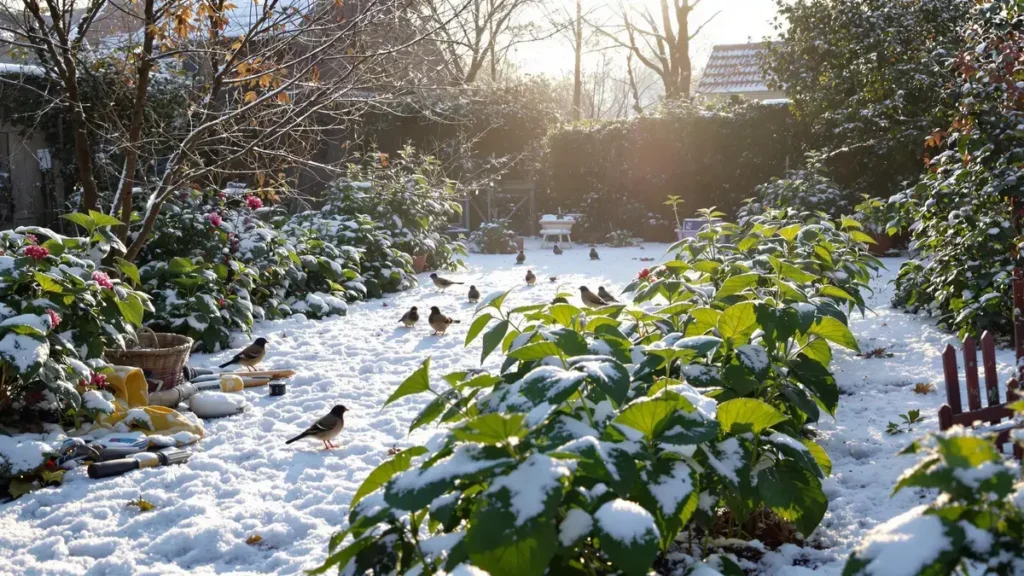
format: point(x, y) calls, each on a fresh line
point(625, 521)
point(673, 488)
point(242, 479)
point(576, 524)
point(23, 351)
point(216, 404)
point(22, 453)
point(530, 483)
point(731, 459)
point(905, 544)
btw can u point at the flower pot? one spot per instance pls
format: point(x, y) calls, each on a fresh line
point(419, 263)
point(883, 243)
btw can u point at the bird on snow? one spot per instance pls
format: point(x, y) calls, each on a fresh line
point(252, 355)
point(443, 283)
point(521, 257)
point(531, 278)
point(590, 299)
point(558, 251)
point(593, 254)
point(604, 295)
point(439, 322)
point(326, 428)
point(410, 318)
point(474, 294)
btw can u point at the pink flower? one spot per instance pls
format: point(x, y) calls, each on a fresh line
point(31, 239)
point(102, 279)
point(215, 219)
point(644, 274)
point(221, 195)
point(98, 380)
point(36, 253)
point(54, 318)
point(254, 202)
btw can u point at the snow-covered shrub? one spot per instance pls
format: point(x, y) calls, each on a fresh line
point(493, 238)
point(976, 524)
point(622, 239)
point(801, 191)
point(963, 233)
point(59, 310)
point(408, 196)
point(607, 432)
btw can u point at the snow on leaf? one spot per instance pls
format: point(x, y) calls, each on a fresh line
point(576, 525)
point(531, 484)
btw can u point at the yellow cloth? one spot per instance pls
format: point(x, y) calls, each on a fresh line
point(131, 406)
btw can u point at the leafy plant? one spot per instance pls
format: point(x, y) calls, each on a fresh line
point(975, 525)
point(622, 239)
point(909, 419)
point(801, 191)
point(493, 238)
point(606, 433)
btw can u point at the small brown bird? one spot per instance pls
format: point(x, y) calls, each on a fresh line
point(252, 355)
point(531, 278)
point(474, 294)
point(410, 318)
point(593, 254)
point(606, 296)
point(443, 283)
point(590, 299)
point(558, 251)
point(326, 428)
point(439, 322)
point(521, 257)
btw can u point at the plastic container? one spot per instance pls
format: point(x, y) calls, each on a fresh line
point(277, 388)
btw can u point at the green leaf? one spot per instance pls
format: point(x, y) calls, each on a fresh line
point(129, 270)
point(818, 380)
point(670, 493)
point(834, 331)
point(340, 559)
point(737, 323)
point(704, 319)
point(48, 283)
point(570, 341)
point(946, 561)
point(603, 460)
point(564, 314)
point(550, 384)
point(830, 291)
point(476, 327)
point(820, 456)
point(418, 382)
point(794, 493)
point(736, 284)
point(743, 415)
point(82, 220)
point(480, 381)
point(819, 350)
point(649, 415)
point(608, 375)
point(862, 237)
point(494, 303)
point(688, 428)
point(790, 232)
point(491, 429)
point(55, 247)
point(417, 488)
point(492, 338)
point(700, 345)
point(433, 410)
point(180, 266)
point(132, 309)
point(535, 351)
point(102, 220)
point(792, 272)
point(847, 222)
point(382, 473)
point(628, 536)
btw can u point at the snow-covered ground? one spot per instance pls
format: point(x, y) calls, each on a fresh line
point(243, 480)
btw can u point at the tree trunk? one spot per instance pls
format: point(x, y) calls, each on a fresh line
point(83, 154)
point(577, 84)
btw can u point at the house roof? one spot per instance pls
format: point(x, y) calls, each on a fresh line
point(734, 68)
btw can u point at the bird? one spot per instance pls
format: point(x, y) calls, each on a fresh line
point(439, 322)
point(521, 257)
point(443, 283)
point(593, 254)
point(410, 318)
point(531, 278)
point(474, 294)
point(252, 355)
point(326, 428)
point(558, 251)
point(604, 295)
point(590, 299)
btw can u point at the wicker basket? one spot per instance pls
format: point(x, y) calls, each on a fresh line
point(159, 356)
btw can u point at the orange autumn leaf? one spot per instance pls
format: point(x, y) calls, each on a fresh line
point(282, 98)
point(250, 96)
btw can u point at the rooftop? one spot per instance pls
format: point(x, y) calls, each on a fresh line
point(734, 68)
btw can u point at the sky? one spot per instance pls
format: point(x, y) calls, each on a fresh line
point(739, 21)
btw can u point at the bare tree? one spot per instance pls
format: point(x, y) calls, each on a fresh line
point(266, 80)
point(661, 42)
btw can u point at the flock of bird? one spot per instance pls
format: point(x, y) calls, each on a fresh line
point(326, 428)
point(440, 323)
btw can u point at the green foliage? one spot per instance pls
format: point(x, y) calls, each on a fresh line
point(622, 239)
point(58, 312)
point(909, 419)
point(808, 190)
point(976, 522)
point(493, 238)
point(862, 76)
point(607, 432)
point(964, 235)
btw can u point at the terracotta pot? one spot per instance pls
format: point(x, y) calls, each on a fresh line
point(884, 243)
point(419, 263)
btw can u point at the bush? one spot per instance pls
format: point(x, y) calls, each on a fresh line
point(59, 311)
point(807, 190)
point(976, 522)
point(622, 239)
point(493, 238)
point(607, 432)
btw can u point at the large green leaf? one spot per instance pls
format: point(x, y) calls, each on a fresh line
point(103, 220)
point(497, 545)
point(132, 309)
point(550, 384)
point(416, 488)
point(700, 345)
point(818, 380)
point(48, 283)
point(688, 428)
point(737, 323)
point(794, 493)
point(382, 473)
point(605, 461)
point(474, 329)
point(491, 429)
point(670, 493)
point(433, 410)
point(536, 351)
point(834, 331)
point(82, 220)
point(180, 266)
point(628, 534)
point(570, 341)
point(492, 338)
point(743, 415)
point(495, 302)
point(649, 415)
point(736, 284)
point(564, 314)
point(418, 382)
point(606, 373)
point(129, 270)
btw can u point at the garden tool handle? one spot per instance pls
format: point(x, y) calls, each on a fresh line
point(112, 467)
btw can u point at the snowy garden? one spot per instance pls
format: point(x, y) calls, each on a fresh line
point(284, 323)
